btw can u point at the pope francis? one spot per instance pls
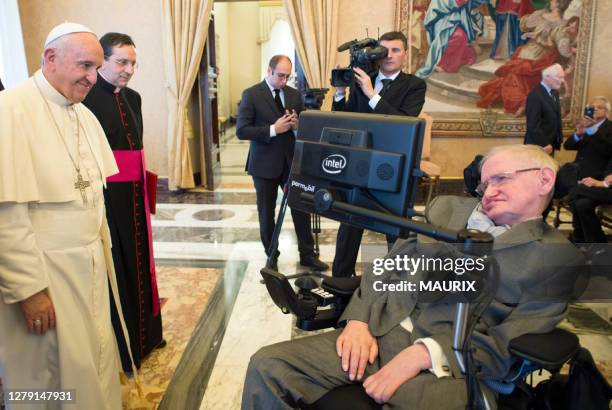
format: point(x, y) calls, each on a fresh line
point(55, 260)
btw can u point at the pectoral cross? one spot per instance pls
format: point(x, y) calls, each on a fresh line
point(81, 185)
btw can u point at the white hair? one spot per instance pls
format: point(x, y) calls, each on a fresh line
point(607, 106)
point(552, 71)
point(534, 155)
point(58, 45)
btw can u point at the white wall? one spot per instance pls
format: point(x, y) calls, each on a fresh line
point(244, 51)
point(13, 65)
point(280, 42)
point(141, 19)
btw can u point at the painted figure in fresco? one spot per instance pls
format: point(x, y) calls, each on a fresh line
point(507, 27)
point(452, 28)
point(418, 34)
point(550, 39)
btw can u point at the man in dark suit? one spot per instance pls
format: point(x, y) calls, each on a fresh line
point(390, 91)
point(268, 117)
point(593, 141)
point(543, 111)
point(399, 346)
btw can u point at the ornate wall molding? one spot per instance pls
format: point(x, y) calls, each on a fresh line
point(583, 57)
point(269, 13)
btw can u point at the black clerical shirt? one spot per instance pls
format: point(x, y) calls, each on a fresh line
point(119, 114)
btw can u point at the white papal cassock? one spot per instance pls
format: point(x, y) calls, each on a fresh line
point(51, 238)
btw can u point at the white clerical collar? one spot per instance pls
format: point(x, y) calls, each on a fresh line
point(117, 89)
point(49, 91)
point(391, 77)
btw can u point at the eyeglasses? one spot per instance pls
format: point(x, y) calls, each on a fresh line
point(284, 76)
point(500, 179)
point(123, 62)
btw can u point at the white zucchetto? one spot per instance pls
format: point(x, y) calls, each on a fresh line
point(66, 28)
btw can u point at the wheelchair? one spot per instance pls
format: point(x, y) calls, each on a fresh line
point(320, 307)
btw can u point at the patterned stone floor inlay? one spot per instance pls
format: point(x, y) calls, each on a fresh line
point(213, 215)
point(187, 290)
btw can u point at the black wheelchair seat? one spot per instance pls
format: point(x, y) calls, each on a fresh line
point(349, 397)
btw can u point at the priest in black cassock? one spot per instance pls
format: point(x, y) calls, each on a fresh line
point(118, 108)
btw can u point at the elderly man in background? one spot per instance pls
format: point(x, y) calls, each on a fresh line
point(401, 349)
point(55, 257)
point(543, 111)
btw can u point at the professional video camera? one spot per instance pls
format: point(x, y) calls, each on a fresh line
point(364, 54)
point(313, 98)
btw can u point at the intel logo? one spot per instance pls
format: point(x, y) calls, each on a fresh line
point(334, 164)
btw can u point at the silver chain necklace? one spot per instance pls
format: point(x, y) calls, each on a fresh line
point(80, 183)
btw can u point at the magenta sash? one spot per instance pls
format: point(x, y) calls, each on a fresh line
point(132, 168)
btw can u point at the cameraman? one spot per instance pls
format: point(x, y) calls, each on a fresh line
point(390, 91)
point(593, 141)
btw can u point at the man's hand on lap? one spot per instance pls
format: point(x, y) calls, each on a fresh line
point(356, 347)
point(407, 364)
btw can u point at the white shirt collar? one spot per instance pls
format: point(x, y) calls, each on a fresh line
point(49, 91)
point(391, 77)
point(594, 128)
point(547, 88)
point(272, 88)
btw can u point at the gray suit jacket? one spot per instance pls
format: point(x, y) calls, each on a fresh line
point(531, 255)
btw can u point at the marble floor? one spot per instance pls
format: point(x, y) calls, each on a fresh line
point(197, 228)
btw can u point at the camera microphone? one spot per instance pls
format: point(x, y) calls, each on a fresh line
point(347, 45)
point(366, 42)
point(357, 44)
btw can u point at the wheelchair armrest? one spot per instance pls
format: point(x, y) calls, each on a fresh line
point(341, 286)
point(547, 350)
point(285, 298)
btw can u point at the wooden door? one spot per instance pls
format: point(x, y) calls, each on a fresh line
point(209, 174)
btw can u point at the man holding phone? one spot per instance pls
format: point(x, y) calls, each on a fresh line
point(593, 141)
point(268, 117)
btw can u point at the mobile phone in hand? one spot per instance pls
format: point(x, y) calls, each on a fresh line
point(589, 111)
